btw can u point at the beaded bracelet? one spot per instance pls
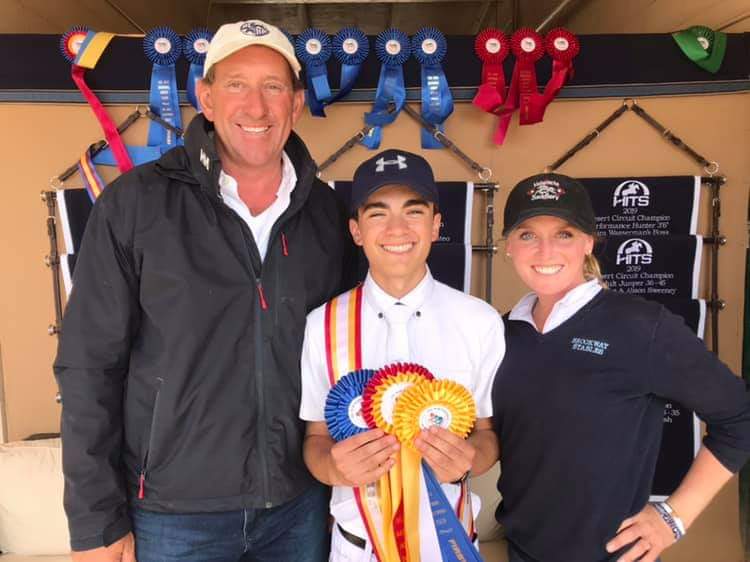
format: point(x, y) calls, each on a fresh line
point(670, 518)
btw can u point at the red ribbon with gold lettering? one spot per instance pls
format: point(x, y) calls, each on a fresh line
point(562, 46)
point(492, 48)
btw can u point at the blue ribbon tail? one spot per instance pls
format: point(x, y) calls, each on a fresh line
point(164, 101)
point(349, 74)
point(437, 103)
point(390, 89)
point(455, 545)
point(195, 73)
point(318, 90)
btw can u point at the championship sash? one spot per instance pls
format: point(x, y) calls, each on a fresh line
point(84, 48)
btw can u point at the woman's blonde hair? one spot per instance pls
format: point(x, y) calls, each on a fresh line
point(592, 270)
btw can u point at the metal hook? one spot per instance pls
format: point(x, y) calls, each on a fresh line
point(629, 102)
point(55, 182)
point(485, 174)
point(712, 168)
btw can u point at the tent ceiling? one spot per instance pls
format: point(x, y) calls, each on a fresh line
point(450, 16)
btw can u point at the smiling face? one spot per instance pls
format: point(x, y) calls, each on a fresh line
point(548, 255)
point(396, 227)
point(253, 106)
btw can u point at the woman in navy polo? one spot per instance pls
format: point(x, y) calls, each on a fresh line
point(579, 399)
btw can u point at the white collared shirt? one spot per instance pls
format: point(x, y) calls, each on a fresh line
point(261, 224)
point(454, 335)
point(563, 309)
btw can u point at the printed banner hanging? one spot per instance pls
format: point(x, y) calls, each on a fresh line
point(429, 47)
point(393, 49)
point(163, 47)
point(195, 47)
point(649, 266)
point(645, 206)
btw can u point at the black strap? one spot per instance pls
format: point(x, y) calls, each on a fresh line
point(359, 542)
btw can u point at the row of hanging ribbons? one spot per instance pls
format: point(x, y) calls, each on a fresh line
point(83, 48)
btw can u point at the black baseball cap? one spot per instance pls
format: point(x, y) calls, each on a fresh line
point(393, 167)
point(549, 194)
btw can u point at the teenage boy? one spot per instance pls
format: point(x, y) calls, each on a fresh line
point(408, 316)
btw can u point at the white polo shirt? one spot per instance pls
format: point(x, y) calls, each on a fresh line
point(261, 224)
point(454, 335)
point(563, 309)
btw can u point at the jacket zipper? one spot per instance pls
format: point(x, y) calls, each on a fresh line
point(150, 446)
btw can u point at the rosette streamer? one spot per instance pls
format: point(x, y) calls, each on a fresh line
point(163, 47)
point(429, 48)
point(343, 409)
point(83, 48)
point(528, 47)
point(195, 47)
point(492, 47)
point(455, 543)
point(393, 50)
point(702, 45)
point(313, 48)
point(562, 47)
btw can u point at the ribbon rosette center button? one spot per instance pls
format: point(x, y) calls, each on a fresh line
point(350, 46)
point(393, 47)
point(313, 46)
point(561, 44)
point(162, 45)
point(528, 44)
point(355, 413)
point(435, 416)
point(429, 46)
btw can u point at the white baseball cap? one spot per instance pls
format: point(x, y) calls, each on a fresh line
point(231, 37)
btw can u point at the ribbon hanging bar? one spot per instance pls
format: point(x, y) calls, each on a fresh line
point(429, 48)
point(393, 49)
point(163, 47)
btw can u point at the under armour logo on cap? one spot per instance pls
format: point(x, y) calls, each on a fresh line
point(254, 28)
point(400, 161)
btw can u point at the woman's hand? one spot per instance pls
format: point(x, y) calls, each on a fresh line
point(648, 534)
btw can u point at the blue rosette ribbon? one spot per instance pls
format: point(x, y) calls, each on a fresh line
point(393, 49)
point(351, 48)
point(163, 47)
point(343, 409)
point(429, 48)
point(455, 544)
point(195, 47)
point(313, 48)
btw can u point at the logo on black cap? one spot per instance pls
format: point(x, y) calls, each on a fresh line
point(545, 190)
point(254, 28)
point(399, 161)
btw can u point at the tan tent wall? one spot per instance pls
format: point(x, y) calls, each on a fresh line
point(41, 140)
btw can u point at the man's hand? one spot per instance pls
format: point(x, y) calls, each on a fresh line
point(449, 456)
point(122, 550)
point(648, 533)
point(363, 458)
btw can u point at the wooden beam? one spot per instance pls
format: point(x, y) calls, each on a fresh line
point(219, 2)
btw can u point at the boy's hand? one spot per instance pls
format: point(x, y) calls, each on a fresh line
point(449, 455)
point(363, 458)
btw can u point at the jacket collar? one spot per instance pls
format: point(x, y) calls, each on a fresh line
point(199, 162)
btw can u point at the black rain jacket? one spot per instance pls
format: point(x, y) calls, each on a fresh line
point(178, 362)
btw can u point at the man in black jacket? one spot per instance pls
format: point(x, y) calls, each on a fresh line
point(178, 363)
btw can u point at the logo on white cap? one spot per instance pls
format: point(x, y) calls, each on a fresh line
point(254, 28)
point(381, 163)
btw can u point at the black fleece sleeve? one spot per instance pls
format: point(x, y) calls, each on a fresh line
point(682, 369)
point(101, 317)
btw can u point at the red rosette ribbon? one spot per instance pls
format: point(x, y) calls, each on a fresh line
point(492, 47)
point(562, 46)
point(528, 47)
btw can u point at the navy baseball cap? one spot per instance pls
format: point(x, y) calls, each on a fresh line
point(393, 167)
point(549, 195)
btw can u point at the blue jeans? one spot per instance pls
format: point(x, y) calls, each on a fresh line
point(295, 531)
